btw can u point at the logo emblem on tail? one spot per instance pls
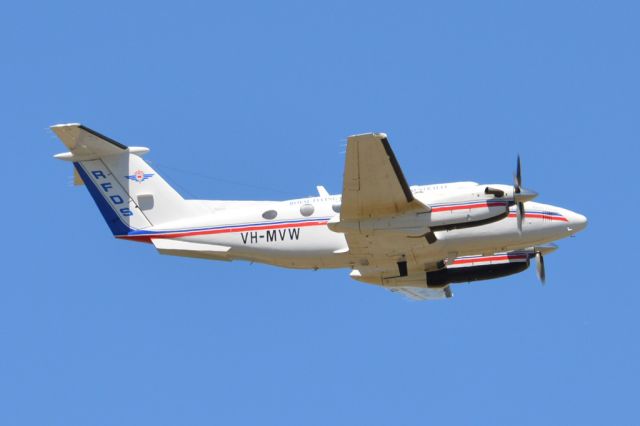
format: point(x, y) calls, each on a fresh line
point(139, 176)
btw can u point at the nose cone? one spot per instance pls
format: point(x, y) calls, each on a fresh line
point(577, 222)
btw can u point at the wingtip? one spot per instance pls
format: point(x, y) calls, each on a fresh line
point(55, 126)
point(377, 135)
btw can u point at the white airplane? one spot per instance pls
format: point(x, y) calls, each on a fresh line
point(417, 240)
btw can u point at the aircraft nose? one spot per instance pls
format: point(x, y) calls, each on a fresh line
point(577, 222)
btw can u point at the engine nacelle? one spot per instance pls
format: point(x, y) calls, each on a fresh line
point(460, 212)
point(477, 206)
point(474, 272)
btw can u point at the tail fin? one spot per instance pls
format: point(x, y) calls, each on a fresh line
point(129, 193)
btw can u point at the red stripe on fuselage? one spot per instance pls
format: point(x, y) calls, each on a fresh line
point(542, 216)
point(466, 207)
point(148, 237)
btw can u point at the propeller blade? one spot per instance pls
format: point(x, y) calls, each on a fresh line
point(518, 176)
point(520, 195)
point(520, 216)
point(542, 276)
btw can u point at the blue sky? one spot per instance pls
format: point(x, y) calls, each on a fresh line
point(254, 100)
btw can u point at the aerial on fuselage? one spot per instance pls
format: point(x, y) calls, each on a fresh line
point(417, 240)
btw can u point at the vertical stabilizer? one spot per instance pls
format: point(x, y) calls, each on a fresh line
point(130, 194)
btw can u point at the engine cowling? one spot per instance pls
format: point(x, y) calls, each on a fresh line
point(466, 211)
point(479, 268)
point(467, 208)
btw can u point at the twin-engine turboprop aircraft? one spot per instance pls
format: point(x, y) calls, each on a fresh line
point(417, 240)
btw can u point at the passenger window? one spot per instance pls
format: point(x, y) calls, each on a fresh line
point(306, 210)
point(270, 214)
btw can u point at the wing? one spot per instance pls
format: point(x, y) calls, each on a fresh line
point(374, 185)
point(413, 286)
point(374, 188)
point(420, 293)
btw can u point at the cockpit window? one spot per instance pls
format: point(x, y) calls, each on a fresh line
point(336, 207)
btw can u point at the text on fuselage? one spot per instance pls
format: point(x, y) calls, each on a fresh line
point(270, 236)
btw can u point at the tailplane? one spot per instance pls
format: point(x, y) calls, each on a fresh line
point(130, 194)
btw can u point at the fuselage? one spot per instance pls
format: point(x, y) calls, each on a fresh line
point(295, 233)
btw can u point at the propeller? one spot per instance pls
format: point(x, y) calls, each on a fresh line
point(520, 195)
point(542, 276)
point(517, 189)
point(539, 253)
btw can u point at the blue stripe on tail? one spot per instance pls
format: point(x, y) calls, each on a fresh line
point(110, 216)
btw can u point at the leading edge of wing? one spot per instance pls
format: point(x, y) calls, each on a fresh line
point(396, 168)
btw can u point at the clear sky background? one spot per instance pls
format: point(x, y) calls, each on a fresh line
point(254, 100)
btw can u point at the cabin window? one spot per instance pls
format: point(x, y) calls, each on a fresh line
point(336, 207)
point(270, 214)
point(306, 210)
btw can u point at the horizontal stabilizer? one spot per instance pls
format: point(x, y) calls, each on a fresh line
point(87, 144)
point(83, 141)
point(188, 249)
